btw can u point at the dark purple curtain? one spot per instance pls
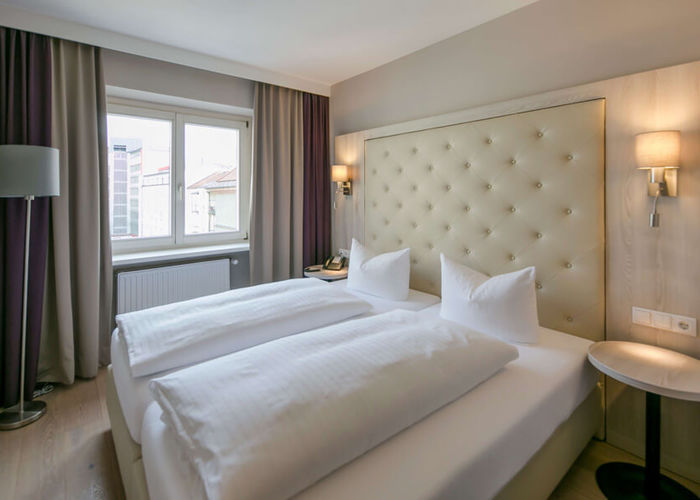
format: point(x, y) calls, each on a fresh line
point(317, 180)
point(25, 118)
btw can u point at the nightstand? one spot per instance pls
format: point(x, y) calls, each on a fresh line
point(318, 272)
point(658, 372)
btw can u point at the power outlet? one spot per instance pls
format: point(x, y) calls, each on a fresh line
point(685, 326)
point(664, 321)
point(344, 252)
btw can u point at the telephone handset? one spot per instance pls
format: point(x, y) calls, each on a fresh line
point(334, 263)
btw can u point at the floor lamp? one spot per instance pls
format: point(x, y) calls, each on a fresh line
point(26, 172)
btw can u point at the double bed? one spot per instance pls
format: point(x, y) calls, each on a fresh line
point(495, 195)
point(476, 444)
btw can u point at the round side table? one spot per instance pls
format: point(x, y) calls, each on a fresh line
point(658, 372)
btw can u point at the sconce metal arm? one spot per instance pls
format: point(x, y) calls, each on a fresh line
point(655, 216)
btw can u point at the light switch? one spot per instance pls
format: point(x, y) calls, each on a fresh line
point(641, 316)
point(662, 320)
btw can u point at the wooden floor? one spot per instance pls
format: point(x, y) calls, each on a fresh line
point(69, 453)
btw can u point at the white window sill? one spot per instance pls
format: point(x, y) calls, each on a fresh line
point(174, 254)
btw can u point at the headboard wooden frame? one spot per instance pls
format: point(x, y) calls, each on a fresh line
point(500, 194)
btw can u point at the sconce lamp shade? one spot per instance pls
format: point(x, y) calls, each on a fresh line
point(658, 149)
point(28, 171)
point(339, 173)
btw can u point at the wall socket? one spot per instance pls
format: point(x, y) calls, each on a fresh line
point(665, 321)
point(344, 252)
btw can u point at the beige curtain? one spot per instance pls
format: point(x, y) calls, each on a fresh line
point(276, 223)
point(78, 297)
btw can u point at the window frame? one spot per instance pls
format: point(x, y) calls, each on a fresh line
point(179, 116)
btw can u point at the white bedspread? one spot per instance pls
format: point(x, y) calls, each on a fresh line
point(416, 300)
point(134, 395)
point(469, 448)
point(271, 420)
point(182, 333)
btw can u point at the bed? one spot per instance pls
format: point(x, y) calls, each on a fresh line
point(133, 393)
point(499, 194)
point(128, 397)
point(476, 444)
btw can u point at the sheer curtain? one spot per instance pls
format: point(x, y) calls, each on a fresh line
point(78, 300)
point(276, 224)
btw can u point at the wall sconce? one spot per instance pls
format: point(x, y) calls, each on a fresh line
point(340, 175)
point(659, 154)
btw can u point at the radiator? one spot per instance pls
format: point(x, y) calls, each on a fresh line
point(163, 285)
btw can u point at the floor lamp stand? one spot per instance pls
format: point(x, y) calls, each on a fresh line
point(23, 413)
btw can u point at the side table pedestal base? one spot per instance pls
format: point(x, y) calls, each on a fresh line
point(619, 480)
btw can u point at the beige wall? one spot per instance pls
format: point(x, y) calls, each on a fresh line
point(654, 268)
point(551, 44)
point(150, 75)
point(557, 44)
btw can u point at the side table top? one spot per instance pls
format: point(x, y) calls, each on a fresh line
point(649, 368)
point(317, 271)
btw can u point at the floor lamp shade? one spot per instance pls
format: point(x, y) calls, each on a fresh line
point(28, 171)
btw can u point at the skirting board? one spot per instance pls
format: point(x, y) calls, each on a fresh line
point(535, 481)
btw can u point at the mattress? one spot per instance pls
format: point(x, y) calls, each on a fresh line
point(135, 397)
point(472, 447)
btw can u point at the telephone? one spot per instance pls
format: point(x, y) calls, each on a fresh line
point(334, 263)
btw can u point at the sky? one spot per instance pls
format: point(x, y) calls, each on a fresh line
point(207, 148)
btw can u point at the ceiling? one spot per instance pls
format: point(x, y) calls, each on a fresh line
point(322, 41)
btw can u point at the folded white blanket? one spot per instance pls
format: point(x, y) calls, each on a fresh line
point(179, 334)
point(267, 422)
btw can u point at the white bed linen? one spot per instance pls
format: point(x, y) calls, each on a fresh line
point(416, 300)
point(161, 338)
point(293, 410)
point(471, 447)
point(133, 392)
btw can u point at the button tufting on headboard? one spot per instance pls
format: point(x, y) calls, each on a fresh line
point(495, 194)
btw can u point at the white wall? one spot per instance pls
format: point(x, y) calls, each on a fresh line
point(548, 45)
point(151, 75)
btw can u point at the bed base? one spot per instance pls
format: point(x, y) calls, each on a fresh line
point(128, 451)
point(535, 481)
point(541, 475)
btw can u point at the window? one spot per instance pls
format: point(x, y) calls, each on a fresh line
point(211, 168)
point(139, 171)
point(176, 177)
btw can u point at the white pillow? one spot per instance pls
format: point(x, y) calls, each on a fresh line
point(504, 306)
point(385, 275)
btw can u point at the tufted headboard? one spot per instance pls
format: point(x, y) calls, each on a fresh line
point(499, 195)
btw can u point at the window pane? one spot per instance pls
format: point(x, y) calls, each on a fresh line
point(139, 176)
point(211, 177)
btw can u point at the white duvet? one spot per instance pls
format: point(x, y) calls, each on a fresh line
point(267, 422)
point(174, 335)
